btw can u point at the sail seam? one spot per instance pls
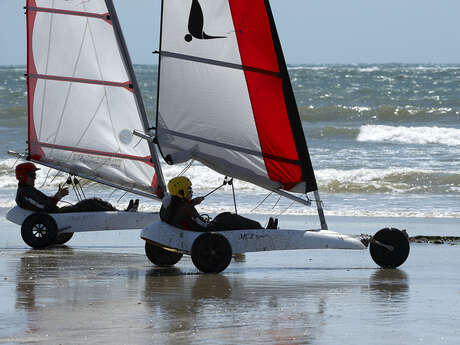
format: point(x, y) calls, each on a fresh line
point(126, 85)
point(228, 146)
point(70, 84)
point(220, 63)
point(104, 16)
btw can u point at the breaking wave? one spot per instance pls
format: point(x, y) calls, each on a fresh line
point(391, 180)
point(410, 135)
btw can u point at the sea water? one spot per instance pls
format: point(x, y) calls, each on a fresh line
point(384, 141)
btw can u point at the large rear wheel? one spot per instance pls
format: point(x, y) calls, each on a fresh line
point(39, 230)
point(389, 247)
point(211, 253)
point(161, 257)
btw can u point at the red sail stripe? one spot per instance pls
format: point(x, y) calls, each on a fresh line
point(256, 47)
point(104, 16)
point(126, 85)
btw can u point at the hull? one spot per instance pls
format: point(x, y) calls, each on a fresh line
point(245, 241)
point(89, 221)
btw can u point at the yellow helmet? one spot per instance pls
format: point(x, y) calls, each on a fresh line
point(178, 186)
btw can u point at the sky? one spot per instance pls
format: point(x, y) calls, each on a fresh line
point(311, 31)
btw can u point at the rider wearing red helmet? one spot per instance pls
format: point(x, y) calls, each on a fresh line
point(29, 197)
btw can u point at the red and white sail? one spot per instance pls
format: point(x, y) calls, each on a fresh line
point(83, 98)
point(225, 98)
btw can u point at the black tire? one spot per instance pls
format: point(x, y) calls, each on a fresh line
point(63, 238)
point(384, 257)
point(39, 230)
point(211, 253)
point(161, 257)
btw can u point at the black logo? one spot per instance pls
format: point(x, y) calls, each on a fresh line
point(195, 24)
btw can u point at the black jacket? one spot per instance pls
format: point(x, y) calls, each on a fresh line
point(181, 214)
point(30, 198)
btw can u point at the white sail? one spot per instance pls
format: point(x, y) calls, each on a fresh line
point(84, 102)
point(225, 97)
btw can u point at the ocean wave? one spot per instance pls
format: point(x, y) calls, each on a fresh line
point(363, 181)
point(410, 135)
point(384, 113)
point(333, 132)
point(13, 117)
point(390, 180)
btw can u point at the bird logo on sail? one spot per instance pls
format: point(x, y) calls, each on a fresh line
point(195, 24)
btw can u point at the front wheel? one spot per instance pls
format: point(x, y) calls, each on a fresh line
point(161, 257)
point(39, 230)
point(389, 247)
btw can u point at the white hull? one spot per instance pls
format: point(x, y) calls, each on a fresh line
point(244, 241)
point(90, 221)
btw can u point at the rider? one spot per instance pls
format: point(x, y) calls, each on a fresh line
point(178, 209)
point(30, 198)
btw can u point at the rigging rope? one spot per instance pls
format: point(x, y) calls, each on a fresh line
point(122, 196)
point(77, 183)
point(276, 203)
point(260, 203)
point(186, 168)
point(215, 189)
point(287, 208)
point(46, 177)
point(77, 193)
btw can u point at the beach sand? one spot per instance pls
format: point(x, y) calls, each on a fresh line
point(102, 289)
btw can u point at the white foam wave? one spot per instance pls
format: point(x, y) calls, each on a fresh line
point(410, 135)
point(369, 69)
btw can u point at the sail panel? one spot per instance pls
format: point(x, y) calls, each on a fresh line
point(214, 109)
point(223, 96)
point(82, 104)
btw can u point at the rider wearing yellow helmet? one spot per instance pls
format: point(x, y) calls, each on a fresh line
point(179, 186)
point(178, 209)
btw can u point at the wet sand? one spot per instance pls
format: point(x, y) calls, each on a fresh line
point(102, 289)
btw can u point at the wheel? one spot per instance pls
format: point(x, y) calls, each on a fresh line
point(211, 253)
point(384, 256)
point(160, 256)
point(63, 238)
point(39, 230)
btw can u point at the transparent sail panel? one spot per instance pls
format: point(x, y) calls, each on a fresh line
point(82, 104)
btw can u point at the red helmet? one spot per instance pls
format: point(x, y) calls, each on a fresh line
point(23, 169)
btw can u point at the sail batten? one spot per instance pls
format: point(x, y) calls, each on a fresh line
point(83, 97)
point(126, 84)
point(104, 16)
point(230, 147)
point(220, 63)
point(225, 97)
